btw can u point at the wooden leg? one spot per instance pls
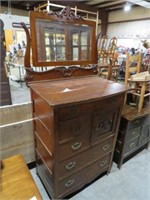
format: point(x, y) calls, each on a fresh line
point(142, 97)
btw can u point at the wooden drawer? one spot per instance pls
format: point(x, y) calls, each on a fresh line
point(132, 133)
point(145, 134)
point(108, 103)
point(45, 155)
point(43, 111)
point(45, 135)
point(69, 112)
point(131, 146)
point(92, 170)
point(135, 123)
point(43, 170)
point(104, 124)
point(78, 144)
point(77, 126)
point(77, 162)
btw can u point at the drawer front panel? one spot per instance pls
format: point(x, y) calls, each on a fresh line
point(133, 133)
point(108, 103)
point(43, 169)
point(74, 111)
point(103, 124)
point(77, 162)
point(73, 127)
point(102, 148)
point(130, 146)
point(145, 134)
point(76, 179)
point(45, 135)
point(44, 154)
point(135, 123)
point(43, 111)
point(78, 144)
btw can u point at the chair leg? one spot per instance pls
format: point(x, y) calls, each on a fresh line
point(143, 89)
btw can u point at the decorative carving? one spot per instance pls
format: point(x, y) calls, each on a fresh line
point(60, 72)
point(103, 126)
point(67, 13)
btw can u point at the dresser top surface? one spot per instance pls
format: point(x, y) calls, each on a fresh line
point(75, 90)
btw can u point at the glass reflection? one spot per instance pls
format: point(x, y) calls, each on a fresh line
point(60, 43)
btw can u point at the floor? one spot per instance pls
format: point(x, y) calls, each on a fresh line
point(132, 182)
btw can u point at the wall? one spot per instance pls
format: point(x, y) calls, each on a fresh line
point(13, 35)
point(4, 10)
point(130, 27)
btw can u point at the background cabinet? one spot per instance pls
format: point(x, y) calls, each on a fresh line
point(75, 131)
point(133, 134)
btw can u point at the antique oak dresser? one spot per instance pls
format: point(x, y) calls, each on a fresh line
point(76, 113)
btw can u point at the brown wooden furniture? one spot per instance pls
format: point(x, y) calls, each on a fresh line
point(107, 52)
point(74, 119)
point(141, 89)
point(16, 182)
point(76, 113)
point(134, 134)
point(138, 82)
point(5, 95)
point(133, 65)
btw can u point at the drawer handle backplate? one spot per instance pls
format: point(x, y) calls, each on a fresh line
point(76, 145)
point(134, 133)
point(132, 145)
point(103, 163)
point(69, 183)
point(74, 111)
point(70, 165)
point(76, 129)
point(106, 147)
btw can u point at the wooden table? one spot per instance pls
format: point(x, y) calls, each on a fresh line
point(16, 181)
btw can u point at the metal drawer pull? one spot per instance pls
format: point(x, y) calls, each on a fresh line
point(132, 145)
point(76, 145)
point(74, 111)
point(103, 163)
point(70, 165)
point(69, 183)
point(106, 147)
point(76, 129)
point(134, 133)
point(137, 122)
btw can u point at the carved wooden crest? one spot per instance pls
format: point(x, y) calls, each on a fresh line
point(67, 13)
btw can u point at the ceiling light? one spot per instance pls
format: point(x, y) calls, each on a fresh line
point(127, 7)
point(27, 6)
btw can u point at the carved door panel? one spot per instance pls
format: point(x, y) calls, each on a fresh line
point(103, 125)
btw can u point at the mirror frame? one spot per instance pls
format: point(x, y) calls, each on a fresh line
point(66, 16)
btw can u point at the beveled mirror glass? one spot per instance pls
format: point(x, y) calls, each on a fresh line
point(61, 41)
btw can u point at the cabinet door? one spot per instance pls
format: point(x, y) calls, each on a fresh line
point(145, 134)
point(104, 124)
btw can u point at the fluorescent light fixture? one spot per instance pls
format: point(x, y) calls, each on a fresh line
point(127, 7)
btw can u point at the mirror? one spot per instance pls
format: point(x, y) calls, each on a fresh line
point(62, 40)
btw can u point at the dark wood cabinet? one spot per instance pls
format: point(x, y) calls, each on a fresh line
point(134, 134)
point(76, 126)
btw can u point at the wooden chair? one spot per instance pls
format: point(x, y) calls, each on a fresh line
point(132, 66)
point(105, 69)
point(137, 82)
point(105, 54)
point(142, 87)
